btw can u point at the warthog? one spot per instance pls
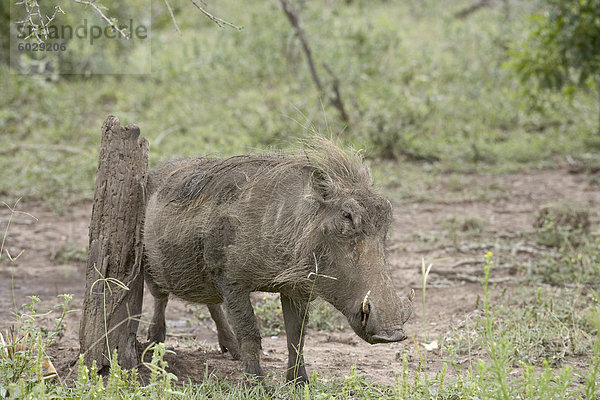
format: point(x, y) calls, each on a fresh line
point(304, 225)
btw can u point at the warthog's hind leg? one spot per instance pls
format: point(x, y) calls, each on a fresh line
point(295, 317)
point(227, 340)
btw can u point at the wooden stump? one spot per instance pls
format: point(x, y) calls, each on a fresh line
point(114, 276)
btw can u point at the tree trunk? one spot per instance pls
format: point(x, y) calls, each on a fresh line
point(114, 278)
point(598, 94)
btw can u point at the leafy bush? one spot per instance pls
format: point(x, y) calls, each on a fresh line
point(562, 48)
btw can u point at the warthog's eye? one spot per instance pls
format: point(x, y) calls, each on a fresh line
point(347, 216)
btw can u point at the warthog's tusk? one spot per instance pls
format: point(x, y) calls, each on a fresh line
point(365, 304)
point(411, 295)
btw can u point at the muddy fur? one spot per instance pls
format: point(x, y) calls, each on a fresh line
point(306, 225)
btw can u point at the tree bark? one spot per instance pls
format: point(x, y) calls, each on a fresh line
point(114, 278)
point(597, 79)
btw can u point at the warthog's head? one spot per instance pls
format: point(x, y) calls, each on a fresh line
point(349, 234)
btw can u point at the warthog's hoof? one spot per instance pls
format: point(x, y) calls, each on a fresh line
point(232, 348)
point(228, 343)
point(253, 370)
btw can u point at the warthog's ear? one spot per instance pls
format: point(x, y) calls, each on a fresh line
point(320, 183)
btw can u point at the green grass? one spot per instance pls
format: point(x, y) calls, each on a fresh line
point(543, 325)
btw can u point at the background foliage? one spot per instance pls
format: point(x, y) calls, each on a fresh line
point(562, 48)
point(419, 84)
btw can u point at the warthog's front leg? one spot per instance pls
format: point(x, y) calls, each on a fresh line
point(295, 317)
point(245, 326)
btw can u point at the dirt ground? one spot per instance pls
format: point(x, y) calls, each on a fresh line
point(505, 207)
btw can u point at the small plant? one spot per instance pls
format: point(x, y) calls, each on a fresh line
point(591, 379)
point(544, 325)
point(160, 380)
point(575, 259)
point(24, 363)
point(467, 226)
point(496, 344)
point(562, 224)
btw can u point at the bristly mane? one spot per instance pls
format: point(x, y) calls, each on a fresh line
point(203, 176)
point(335, 162)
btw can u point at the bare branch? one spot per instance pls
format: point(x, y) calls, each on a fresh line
point(470, 9)
point(29, 19)
point(335, 99)
point(216, 20)
point(104, 17)
point(172, 16)
point(294, 20)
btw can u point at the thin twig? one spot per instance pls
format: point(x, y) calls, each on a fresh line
point(216, 20)
point(471, 8)
point(294, 20)
point(452, 270)
point(181, 335)
point(104, 17)
point(336, 100)
point(172, 16)
point(395, 247)
point(29, 12)
point(465, 262)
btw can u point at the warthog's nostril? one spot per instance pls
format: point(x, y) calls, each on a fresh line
point(365, 310)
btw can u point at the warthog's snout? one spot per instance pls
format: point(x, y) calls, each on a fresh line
point(375, 325)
